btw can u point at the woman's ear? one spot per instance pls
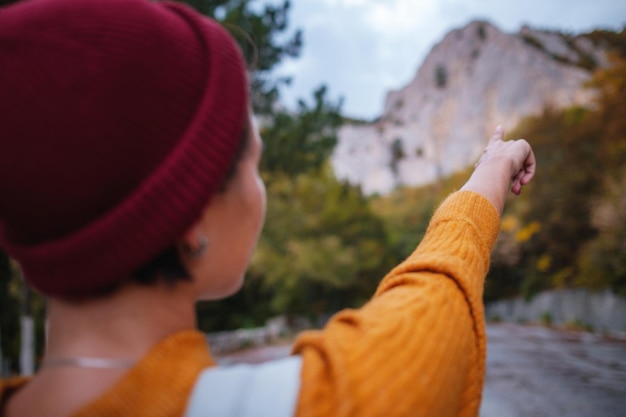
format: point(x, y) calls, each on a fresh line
point(194, 243)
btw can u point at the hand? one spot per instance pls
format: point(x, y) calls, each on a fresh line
point(516, 153)
point(502, 165)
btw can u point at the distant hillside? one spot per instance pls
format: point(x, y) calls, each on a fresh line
point(474, 79)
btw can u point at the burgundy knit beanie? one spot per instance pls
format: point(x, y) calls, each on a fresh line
point(118, 121)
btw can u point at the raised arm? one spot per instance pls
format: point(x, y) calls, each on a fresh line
point(502, 164)
point(418, 347)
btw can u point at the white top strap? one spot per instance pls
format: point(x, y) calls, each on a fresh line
point(268, 389)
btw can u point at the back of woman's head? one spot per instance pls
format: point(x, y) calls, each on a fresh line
point(120, 119)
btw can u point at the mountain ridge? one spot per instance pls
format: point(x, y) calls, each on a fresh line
point(475, 78)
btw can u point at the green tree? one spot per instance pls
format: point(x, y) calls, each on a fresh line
point(603, 261)
point(263, 36)
point(12, 306)
point(301, 141)
point(297, 144)
point(322, 247)
point(568, 227)
point(9, 314)
point(567, 156)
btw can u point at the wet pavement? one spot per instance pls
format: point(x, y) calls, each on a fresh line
point(533, 371)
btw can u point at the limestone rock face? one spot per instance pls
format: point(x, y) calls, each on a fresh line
point(474, 79)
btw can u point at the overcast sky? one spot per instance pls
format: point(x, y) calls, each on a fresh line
point(363, 48)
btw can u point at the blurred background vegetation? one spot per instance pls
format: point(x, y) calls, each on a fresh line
point(325, 245)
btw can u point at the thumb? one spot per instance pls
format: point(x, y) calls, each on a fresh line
point(497, 135)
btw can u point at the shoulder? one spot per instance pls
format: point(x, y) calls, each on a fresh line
point(8, 387)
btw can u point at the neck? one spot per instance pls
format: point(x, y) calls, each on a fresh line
point(125, 324)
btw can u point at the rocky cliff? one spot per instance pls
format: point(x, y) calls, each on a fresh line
point(474, 79)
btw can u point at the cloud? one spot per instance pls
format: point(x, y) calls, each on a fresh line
point(352, 45)
point(399, 17)
point(363, 48)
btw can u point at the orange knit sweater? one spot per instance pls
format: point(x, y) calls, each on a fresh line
point(416, 349)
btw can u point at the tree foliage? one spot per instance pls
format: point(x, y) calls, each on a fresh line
point(9, 313)
point(322, 248)
point(263, 36)
point(320, 239)
point(603, 261)
point(301, 141)
point(615, 41)
point(569, 230)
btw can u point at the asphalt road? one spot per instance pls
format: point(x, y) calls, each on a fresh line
point(541, 372)
point(534, 371)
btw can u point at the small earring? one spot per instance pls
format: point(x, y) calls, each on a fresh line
point(195, 253)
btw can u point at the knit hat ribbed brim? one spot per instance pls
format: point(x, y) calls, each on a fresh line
point(120, 119)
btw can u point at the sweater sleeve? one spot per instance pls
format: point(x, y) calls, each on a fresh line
point(8, 387)
point(418, 347)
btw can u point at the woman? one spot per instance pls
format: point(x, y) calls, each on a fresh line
point(132, 166)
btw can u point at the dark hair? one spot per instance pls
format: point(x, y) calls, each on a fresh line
point(167, 266)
